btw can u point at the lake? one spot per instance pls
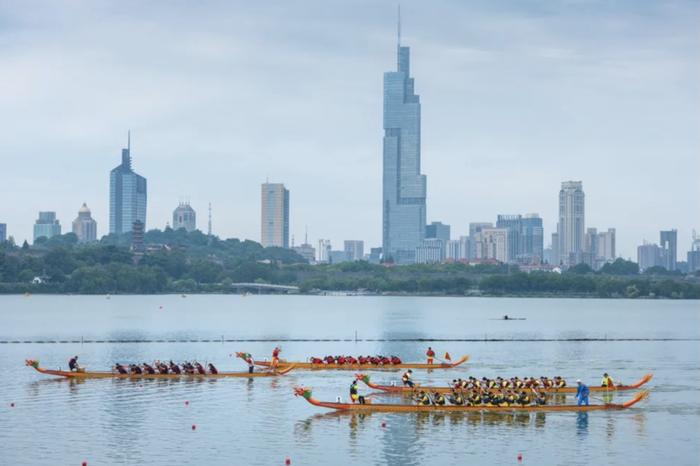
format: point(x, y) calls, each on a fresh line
point(260, 422)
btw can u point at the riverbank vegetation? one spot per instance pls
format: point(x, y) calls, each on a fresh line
point(181, 262)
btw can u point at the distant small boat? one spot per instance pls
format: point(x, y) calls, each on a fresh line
point(184, 295)
point(507, 317)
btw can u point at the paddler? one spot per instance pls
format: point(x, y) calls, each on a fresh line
point(354, 394)
point(607, 381)
point(276, 357)
point(439, 399)
point(423, 398)
point(582, 392)
point(251, 364)
point(73, 364)
point(430, 355)
point(406, 378)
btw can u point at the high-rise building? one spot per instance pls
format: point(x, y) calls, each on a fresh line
point(46, 225)
point(404, 187)
point(438, 230)
point(512, 223)
point(127, 195)
point(453, 250)
point(650, 255)
point(324, 249)
point(431, 251)
point(606, 245)
point(375, 255)
point(694, 254)
point(274, 223)
point(555, 259)
point(336, 257)
point(185, 217)
point(571, 224)
point(474, 229)
point(355, 250)
point(668, 240)
point(84, 226)
point(590, 241)
point(532, 240)
point(3, 232)
point(492, 244)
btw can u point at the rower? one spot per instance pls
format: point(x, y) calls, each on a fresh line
point(212, 369)
point(423, 398)
point(148, 368)
point(406, 378)
point(120, 369)
point(559, 382)
point(582, 392)
point(523, 398)
point(251, 363)
point(175, 368)
point(276, 356)
point(438, 399)
point(456, 398)
point(354, 395)
point(430, 354)
point(73, 364)
point(200, 368)
point(607, 381)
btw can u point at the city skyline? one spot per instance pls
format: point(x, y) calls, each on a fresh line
point(464, 151)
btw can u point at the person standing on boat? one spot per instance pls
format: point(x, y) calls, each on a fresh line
point(406, 378)
point(276, 357)
point(355, 393)
point(582, 393)
point(73, 364)
point(251, 363)
point(430, 354)
point(607, 381)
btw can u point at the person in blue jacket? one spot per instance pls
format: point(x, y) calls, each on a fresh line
point(582, 393)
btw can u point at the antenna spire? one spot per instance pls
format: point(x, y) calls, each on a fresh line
point(128, 141)
point(399, 26)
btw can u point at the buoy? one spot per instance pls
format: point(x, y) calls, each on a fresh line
point(520, 456)
point(187, 403)
point(287, 461)
point(12, 405)
point(160, 307)
point(383, 424)
point(194, 426)
point(84, 463)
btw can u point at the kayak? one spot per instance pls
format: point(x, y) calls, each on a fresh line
point(116, 375)
point(408, 390)
point(354, 367)
point(406, 408)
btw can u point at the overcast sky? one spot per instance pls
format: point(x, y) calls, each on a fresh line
point(517, 96)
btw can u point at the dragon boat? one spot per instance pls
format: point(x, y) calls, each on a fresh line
point(82, 374)
point(354, 367)
point(405, 408)
point(409, 390)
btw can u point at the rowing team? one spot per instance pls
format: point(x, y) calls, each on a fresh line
point(509, 398)
point(472, 383)
point(159, 367)
point(369, 360)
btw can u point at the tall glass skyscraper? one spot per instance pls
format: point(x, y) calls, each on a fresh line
point(274, 215)
point(404, 188)
point(127, 195)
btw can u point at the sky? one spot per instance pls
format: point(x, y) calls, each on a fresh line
point(517, 96)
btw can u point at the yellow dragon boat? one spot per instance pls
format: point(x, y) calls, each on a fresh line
point(356, 367)
point(81, 374)
point(405, 408)
point(410, 390)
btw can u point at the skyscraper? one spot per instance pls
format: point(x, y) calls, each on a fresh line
point(84, 226)
point(531, 240)
point(668, 240)
point(127, 195)
point(46, 225)
point(512, 223)
point(474, 229)
point(355, 249)
point(274, 224)
point(404, 187)
point(185, 217)
point(571, 220)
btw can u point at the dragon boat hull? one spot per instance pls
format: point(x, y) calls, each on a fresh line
point(402, 389)
point(398, 408)
point(365, 367)
point(116, 375)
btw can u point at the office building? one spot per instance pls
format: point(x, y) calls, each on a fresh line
point(590, 241)
point(531, 240)
point(336, 257)
point(474, 229)
point(438, 230)
point(46, 226)
point(127, 195)
point(274, 224)
point(554, 256)
point(606, 245)
point(185, 217)
point(324, 249)
point(668, 240)
point(354, 250)
point(84, 226)
point(307, 252)
point(492, 244)
point(431, 251)
point(375, 255)
point(404, 187)
point(513, 224)
point(453, 250)
point(650, 255)
point(694, 254)
point(571, 224)
point(3, 232)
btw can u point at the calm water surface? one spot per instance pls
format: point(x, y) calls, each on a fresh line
point(260, 422)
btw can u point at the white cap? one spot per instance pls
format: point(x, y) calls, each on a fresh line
point(578, 380)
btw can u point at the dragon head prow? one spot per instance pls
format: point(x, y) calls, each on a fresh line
point(32, 362)
point(302, 391)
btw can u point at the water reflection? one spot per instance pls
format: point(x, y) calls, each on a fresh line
point(582, 424)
